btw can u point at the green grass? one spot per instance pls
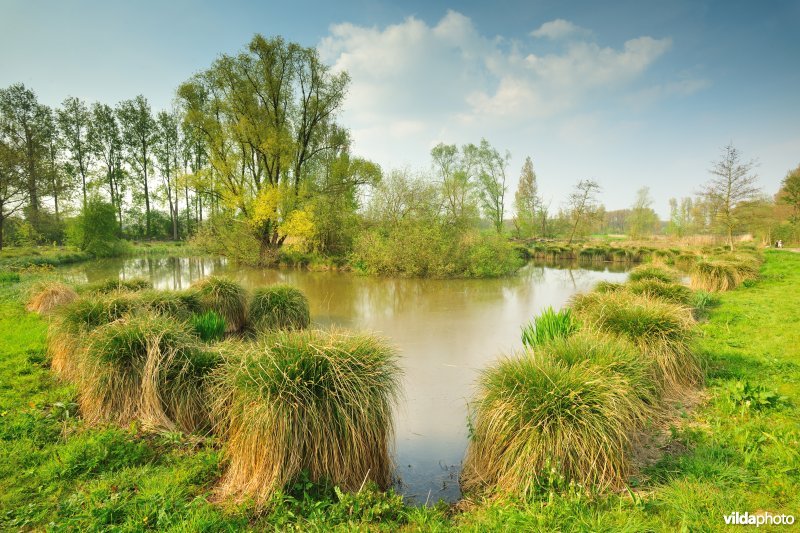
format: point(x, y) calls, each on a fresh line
point(209, 326)
point(547, 326)
point(735, 450)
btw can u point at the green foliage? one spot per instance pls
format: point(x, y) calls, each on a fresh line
point(279, 307)
point(424, 249)
point(96, 230)
point(209, 326)
point(549, 325)
point(753, 396)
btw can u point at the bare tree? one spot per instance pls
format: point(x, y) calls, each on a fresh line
point(733, 183)
point(582, 204)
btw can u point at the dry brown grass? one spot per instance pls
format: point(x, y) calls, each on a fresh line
point(48, 296)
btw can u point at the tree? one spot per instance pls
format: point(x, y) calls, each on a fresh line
point(527, 201)
point(73, 123)
point(680, 217)
point(24, 123)
point(789, 194)
point(732, 183)
point(106, 144)
point(642, 220)
point(139, 134)
point(167, 152)
point(492, 187)
point(264, 115)
point(582, 205)
point(456, 170)
point(12, 183)
point(95, 229)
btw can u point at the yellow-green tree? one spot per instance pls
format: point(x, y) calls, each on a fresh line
point(266, 115)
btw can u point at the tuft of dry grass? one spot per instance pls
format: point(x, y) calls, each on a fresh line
point(312, 401)
point(49, 296)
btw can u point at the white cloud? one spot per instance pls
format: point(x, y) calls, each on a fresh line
point(415, 84)
point(559, 29)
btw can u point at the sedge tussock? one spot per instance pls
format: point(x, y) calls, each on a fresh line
point(312, 401)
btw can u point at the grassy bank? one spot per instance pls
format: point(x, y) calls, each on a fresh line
point(15, 258)
point(735, 448)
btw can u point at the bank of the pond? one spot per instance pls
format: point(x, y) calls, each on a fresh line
point(736, 451)
point(15, 258)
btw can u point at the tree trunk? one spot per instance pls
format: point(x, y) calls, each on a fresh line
point(188, 211)
point(2, 227)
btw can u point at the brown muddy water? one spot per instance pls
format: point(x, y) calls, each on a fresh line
point(446, 331)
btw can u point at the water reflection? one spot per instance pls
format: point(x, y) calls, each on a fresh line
point(446, 331)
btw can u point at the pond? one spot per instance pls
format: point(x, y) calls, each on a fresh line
point(446, 331)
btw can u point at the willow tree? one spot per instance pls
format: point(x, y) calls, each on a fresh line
point(265, 114)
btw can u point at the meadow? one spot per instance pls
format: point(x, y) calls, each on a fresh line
point(727, 445)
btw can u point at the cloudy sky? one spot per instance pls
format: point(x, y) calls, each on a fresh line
point(633, 94)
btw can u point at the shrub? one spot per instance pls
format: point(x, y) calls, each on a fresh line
point(49, 296)
point(146, 367)
point(209, 326)
point(547, 326)
point(660, 329)
point(225, 297)
point(279, 307)
point(534, 414)
point(652, 273)
point(96, 230)
point(306, 400)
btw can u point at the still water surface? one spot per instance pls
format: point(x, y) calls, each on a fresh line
point(446, 331)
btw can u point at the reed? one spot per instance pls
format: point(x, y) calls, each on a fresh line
point(547, 326)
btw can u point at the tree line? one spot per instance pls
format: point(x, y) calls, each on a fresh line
point(251, 156)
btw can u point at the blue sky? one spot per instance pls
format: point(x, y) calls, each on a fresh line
point(630, 93)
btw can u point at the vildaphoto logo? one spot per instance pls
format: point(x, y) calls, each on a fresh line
point(758, 519)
